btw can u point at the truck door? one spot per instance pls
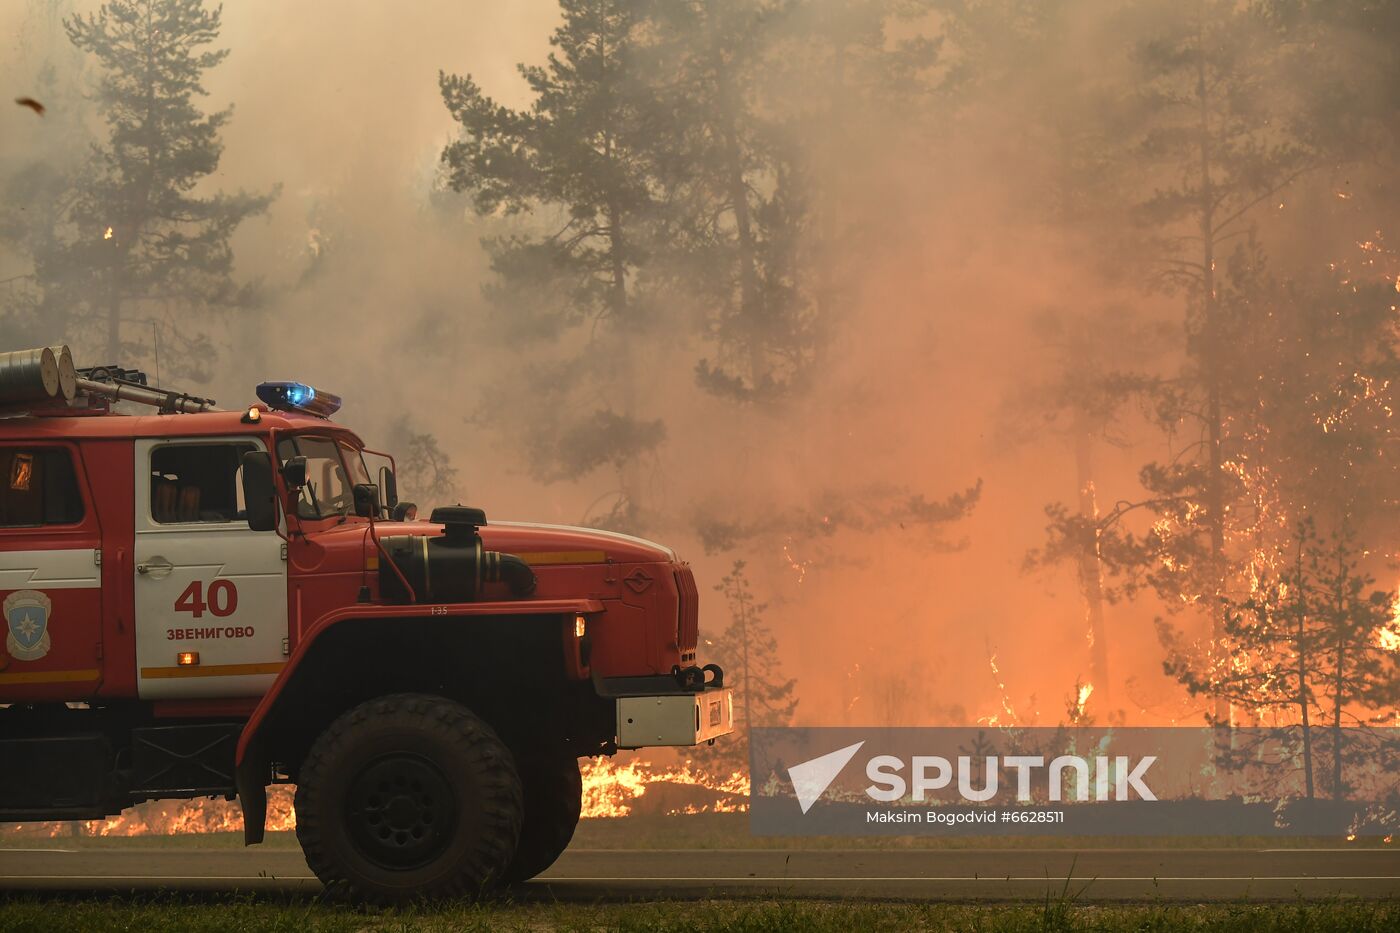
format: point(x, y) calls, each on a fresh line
point(50, 588)
point(211, 593)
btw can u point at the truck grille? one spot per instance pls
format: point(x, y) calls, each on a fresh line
point(688, 614)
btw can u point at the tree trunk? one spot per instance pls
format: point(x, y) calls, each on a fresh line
point(114, 324)
point(619, 307)
point(1338, 792)
point(1303, 701)
point(1214, 491)
point(830, 206)
point(1090, 565)
point(746, 707)
point(751, 309)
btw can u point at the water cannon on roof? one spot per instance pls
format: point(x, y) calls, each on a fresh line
point(44, 380)
point(115, 384)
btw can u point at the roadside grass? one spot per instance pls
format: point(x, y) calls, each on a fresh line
point(731, 831)
point(157, 914)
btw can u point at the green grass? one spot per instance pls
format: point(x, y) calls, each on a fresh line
point(731, 831)
point(159, 914)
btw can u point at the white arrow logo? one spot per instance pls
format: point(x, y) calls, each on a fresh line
point(811, 778)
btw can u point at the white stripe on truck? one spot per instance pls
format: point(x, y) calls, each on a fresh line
point(70, 569)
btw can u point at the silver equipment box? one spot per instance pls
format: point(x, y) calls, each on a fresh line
point(675, 719)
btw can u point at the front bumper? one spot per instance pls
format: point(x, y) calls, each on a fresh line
point(675, 718)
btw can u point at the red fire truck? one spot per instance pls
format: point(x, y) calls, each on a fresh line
point(201, 602)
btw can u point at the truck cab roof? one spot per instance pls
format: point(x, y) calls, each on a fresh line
point(100, 425)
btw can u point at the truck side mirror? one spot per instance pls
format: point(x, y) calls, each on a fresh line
point(294, 472)
point(259, 493)
point(366, 500)
point(389, 487)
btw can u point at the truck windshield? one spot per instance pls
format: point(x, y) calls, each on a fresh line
point(329, 491)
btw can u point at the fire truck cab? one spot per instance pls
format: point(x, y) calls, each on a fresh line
point(200, 602)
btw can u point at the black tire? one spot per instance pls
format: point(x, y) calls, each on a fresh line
point(553, 799)
point(408, 797)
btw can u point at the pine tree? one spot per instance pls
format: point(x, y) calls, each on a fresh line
point(739, 197)
point(1209, 124)
point(1083, 398)
point(1308, 648)
point(40, 167)
point(137, 238)
point(747, 650)
point(579, 163)
point(1212, 143)
point(426, 475)
point(851, 81)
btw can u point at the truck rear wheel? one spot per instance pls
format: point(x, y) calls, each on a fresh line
point(408, 796)
point(553, 799)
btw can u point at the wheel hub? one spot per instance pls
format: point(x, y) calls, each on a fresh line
point(401, 811)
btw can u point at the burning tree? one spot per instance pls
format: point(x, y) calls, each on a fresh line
point(1210, 123)
point(1314, 648)
point(1213, 141)
point(1082, 398)
point(133, 235)
point(1281, 407)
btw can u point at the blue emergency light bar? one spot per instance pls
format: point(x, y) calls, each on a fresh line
point(298, 396)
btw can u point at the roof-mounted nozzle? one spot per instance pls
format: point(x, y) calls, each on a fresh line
point(44, 380)
point(116, 384)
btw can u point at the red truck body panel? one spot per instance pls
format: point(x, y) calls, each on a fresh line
point(639, 597)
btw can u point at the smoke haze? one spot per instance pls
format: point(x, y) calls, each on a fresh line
point(965, 233)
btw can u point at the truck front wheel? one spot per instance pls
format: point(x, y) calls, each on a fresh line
point(406, 797)
point(553, 799)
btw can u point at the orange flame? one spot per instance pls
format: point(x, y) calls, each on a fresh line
point(1085, 691)
point(609, 790)
point(613, 790)
point(174, 817)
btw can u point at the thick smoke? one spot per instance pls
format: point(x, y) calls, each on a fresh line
point(965, 229)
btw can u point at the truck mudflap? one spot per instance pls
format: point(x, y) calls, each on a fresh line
point(690, 718)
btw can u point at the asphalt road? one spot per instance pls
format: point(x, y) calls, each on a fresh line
point(595, 874)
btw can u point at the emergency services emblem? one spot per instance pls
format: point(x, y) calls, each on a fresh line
point(27, 613)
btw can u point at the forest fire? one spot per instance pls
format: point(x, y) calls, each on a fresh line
point(1082, 698)
point(613, 790)
point(610, 790)
point(172, 818)
point(1029, 370)
point(1388, 636)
